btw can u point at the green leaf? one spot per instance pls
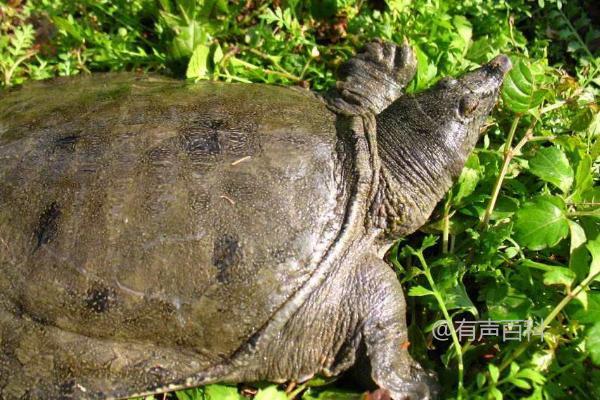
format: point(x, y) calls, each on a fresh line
point(592, 343)
point(222, 392)
point(480, 379)
point(426, 70)
point(520, 383)
point(468, 179)
point(506, 302)
point(519, 91)
point(495, 393)
point(505, 207)
point(270, 393)
point(448, 278)
point(198, 65)
point(464, 29)
point(551, 165)
point(591, 314)
point(320, 380)
point(559, 276)
point(419, 291)
point(583, 119)
point(594, 248)
point(187, 40)
point(579, 257)
point(584, 180)
point(69, 27)
point(541, 223)
point(591, 197)
point(331, 394)
point(189, 394)
point(531, 374)
point(494, 372)
point(218, 54)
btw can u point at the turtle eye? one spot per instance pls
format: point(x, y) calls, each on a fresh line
point(468, 105)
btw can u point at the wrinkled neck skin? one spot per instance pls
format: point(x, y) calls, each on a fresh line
point(422, 151)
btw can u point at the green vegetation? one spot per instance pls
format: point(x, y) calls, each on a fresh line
point(517, 238)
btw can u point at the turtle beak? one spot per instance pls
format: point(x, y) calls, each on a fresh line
point(486, 80)
point(500, 65)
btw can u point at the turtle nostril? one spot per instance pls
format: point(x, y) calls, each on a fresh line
point(502, 63)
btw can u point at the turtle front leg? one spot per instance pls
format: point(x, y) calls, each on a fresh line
point(374, 78)
point(385, 335)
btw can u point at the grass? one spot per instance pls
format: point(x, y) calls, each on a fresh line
point(517, 238)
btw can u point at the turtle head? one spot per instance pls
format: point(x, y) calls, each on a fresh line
point(424, 140)
point(460, 106)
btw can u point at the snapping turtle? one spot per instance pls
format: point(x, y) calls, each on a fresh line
point(158, 235)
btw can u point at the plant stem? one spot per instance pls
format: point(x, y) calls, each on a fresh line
point(554, 106)
point(295, 392)
point(455, 341)
point(594, 213)
point(584, 46)
point(281, 71)
point(559, 307)
point(267, 71)
point(9, 73)
point(570, 296)
point(576, 34)
point(446, 226)
point(507, 157)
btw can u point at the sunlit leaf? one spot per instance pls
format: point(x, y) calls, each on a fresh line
point(198, 65)
point(592, 343)
point(579, 257)
point(551, 165)
point(541, 223)
point(189, 37)
point(419, 291)
point(222, 392)
point(559, 276)
point(270, 393)
point(331, 394)
point(594, 248)
point(519, 91)
point(468, 179)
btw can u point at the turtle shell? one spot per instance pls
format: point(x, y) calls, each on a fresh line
point(150, 213)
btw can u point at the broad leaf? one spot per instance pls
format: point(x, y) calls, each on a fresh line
point(594, 248)
point(584, 179)
point(579, 257)
point(551, 165)
point(592, 343)
point(189, 394)
point(419, 291)
point(198, 65)
point(188, 38)
point(468, 179)
point(222, 392)
point(559, 276)
point(331, 394)
point(590, 315)
point(519, 90)
point(270, 393)
point(449, 283)
point(494, 372)
point(541, 223)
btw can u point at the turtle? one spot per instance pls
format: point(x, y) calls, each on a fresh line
point(157, 234)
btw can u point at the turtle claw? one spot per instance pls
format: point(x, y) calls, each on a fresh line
point(375, 77)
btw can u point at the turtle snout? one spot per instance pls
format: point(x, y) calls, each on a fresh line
point(500, 63)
